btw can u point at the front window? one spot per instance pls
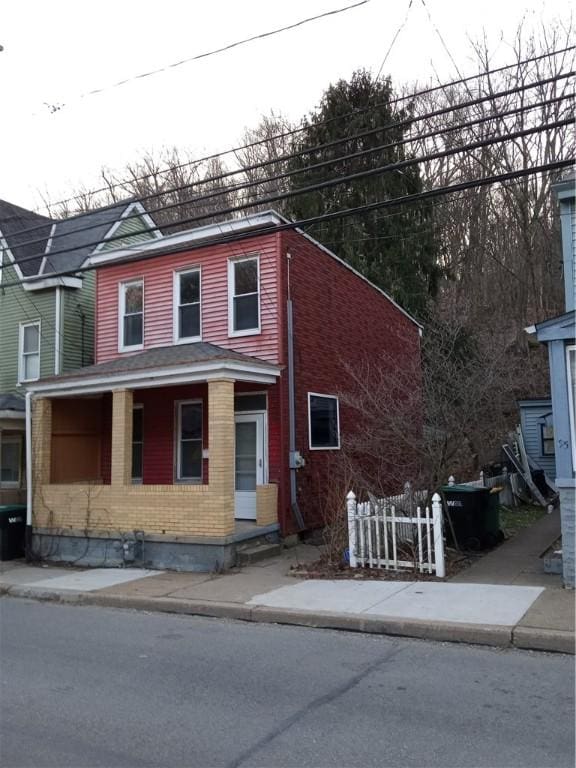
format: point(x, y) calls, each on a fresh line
point(131, 315)
point(187, 305)
point(137, 444)
point(10, 460)
point(323, 421)
point(547, 436)
point(244, 296)
point(30, 352)
point(189, 436)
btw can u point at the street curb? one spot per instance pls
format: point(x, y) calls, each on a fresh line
point(537, 639)
point(454, 632)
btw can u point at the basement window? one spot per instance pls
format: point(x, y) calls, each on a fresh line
point(323, 422)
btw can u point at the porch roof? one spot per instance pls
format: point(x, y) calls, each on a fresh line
point(11, 406)
point(160, 366)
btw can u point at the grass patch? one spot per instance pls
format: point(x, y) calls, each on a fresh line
point(514, 520)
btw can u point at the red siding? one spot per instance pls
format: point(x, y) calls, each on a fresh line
point(339, 319)
point(158, 287)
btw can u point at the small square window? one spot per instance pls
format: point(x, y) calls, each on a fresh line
point(323, 421)
point(547, 440)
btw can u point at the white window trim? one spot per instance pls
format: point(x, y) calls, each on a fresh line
point(139, 480)
point(320, 447)
point(176, 305)
point(121, 310)
point(21, 379)
point(12, 439)
point(231, 295)
point(177, 451)
point(570, 384)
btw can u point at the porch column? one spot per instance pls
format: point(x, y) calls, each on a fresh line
point(121, 437)
point(41, 441)
point(221, 447)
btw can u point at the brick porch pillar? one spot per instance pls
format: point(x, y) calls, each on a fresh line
point(122, 401)
point(221, 447)
point(41, 441)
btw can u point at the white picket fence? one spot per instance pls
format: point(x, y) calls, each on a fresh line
point(382, 536)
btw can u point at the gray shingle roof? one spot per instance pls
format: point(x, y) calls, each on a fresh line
point(14, 221)
point(159, 357)
point(76, 236)
point(10, 402)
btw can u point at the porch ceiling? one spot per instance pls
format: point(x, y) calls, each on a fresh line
point(161, 366)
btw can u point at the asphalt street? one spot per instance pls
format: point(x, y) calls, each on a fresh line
point(91, 686)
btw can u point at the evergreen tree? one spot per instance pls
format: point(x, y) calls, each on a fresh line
point(394, 248)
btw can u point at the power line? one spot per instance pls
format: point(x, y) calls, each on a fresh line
point(327, 121)
point(391, 46)
point(302, 223)
point(293, 155)
point(57, 107)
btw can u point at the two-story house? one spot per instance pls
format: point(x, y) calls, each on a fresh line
point(47, 321)
point(559, 334)
point(211, 416)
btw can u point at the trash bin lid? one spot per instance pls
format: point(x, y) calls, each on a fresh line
point(463, 489)
point(9, 509)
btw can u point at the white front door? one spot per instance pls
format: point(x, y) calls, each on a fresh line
point(249, 462)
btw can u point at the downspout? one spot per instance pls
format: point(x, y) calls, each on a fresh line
point(294, 459)
point(29, 489)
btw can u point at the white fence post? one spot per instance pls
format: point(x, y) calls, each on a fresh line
point(438, 538)
point(351, 508)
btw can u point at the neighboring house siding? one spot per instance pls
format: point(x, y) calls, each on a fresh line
point(78, 325)
point(339, 320)
point(531, 418)
point(20, 306)
point(135, 230)
point(158, 300)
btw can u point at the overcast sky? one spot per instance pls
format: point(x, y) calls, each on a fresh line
point(56, 51)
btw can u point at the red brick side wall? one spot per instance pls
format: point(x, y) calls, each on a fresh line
point(339, 319)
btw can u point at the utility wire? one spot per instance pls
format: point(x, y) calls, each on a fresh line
point(294, 155)
point(431, 194)
point(329, 183)
point(389, 51)
point(327, 121)
point(57, 107)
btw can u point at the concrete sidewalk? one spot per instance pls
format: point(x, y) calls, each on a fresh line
point(526, 616)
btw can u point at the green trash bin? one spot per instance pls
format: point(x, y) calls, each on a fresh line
point(474, 516)
point(12, 531)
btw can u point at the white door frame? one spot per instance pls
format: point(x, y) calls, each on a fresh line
point(245, 501)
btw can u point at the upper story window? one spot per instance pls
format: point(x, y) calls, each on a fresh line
point(323, 421)
point(244, 296)
point(187, 307)
point(29, 363)
point(131, 316)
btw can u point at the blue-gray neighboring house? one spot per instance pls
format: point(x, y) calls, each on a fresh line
point(559, 334)
point(537, 423)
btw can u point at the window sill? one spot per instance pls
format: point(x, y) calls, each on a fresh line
point(187, 340)
point(135, 348)
point(249, 332)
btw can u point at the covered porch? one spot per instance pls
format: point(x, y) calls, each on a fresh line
point(154, 465)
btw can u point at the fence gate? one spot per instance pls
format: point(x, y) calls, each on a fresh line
point(382, 536)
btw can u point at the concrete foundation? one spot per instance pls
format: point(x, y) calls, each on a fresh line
point(105, 550)
point(568, 517)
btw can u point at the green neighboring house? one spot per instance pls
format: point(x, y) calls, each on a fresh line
point(46, 318)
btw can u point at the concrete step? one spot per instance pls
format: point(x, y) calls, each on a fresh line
point(257, 552)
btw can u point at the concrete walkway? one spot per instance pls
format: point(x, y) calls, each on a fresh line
point(484, 609)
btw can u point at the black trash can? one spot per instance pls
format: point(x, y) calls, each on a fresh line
point(12, 531)
point(474, 517)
